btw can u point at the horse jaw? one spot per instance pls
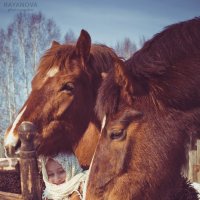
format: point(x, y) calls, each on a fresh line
point(83, 151)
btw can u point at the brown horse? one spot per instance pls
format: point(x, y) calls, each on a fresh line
point(61, 103)
point(151, 104)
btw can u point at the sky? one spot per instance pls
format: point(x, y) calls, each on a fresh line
point(107, 21)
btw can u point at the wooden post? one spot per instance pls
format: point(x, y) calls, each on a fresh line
point(198, 161)
point(192, 162)
point(30, 183)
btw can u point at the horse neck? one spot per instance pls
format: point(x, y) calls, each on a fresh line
point(87, 145)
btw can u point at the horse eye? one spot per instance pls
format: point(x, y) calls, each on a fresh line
point(69, 87)
point(118, 135)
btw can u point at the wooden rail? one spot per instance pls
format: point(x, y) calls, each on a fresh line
point(29, 174)
point(194, 163)
point(8, 163)
point(10, 196)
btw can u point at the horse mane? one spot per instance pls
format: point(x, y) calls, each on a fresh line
point(154, 63)
point(174, 43)
point(101, 58)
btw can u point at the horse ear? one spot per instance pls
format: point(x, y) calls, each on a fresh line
point(123, 80)
point(83, 46)
point(54, 44)
point(130, 85)
point(120, 74)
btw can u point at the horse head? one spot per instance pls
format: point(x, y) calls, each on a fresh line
point(61, 103)
point(151, 103)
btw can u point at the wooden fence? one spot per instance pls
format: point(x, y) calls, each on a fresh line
point(28, 167)
point(194, 160)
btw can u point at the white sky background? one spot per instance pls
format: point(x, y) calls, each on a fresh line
point(109, 21)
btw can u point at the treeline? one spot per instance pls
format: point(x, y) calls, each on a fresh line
point(21, 46)
point(124, 48)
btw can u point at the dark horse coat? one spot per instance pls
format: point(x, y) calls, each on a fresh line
point(152, 105)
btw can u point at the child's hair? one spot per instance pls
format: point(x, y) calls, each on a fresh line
point(74, 177)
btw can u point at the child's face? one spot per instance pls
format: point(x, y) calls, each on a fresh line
point(56, 173)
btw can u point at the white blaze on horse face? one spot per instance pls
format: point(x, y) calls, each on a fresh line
point(103, 123)
point(12, 139)
point(53, 71)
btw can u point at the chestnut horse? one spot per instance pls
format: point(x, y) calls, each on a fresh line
point(152, 104)
point(61, 103)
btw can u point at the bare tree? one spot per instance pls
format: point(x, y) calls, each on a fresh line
point(3, 86)
point(8, 86)
point(21, 26)
point(34, 34)
point(21, 46)
point(70, 37)
point(10, 82)
point(41, 32)
point(142, 41)
point(125, 48)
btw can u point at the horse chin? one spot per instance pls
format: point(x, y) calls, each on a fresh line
point(47, 147)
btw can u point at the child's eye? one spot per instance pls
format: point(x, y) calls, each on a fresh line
point(50, 175)
point(61, 172)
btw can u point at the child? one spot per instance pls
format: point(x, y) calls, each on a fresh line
point(63, 177)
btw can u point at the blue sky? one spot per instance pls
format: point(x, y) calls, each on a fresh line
point(109, 21)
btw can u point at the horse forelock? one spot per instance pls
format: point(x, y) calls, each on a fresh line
point(108, 97)
point(55, 56)
point(101, 58)
point(56, 59)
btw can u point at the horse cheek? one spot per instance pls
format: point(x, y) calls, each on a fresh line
point(110, 166)
point(64, 106)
